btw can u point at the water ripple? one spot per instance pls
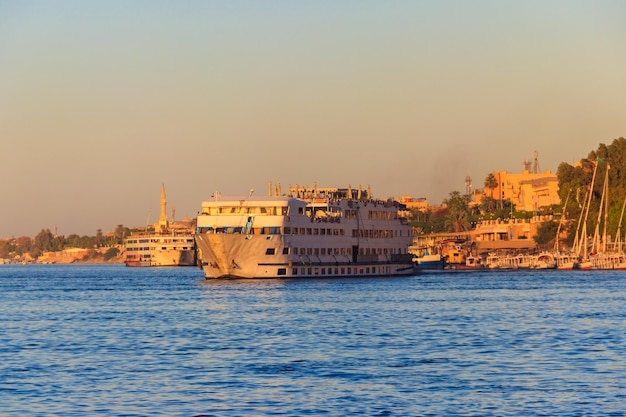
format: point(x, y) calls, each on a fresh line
point(108, 340)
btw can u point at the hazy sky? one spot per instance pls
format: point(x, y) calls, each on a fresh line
point(103, 101)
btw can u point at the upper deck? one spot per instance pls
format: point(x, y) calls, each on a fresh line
point(236, 206)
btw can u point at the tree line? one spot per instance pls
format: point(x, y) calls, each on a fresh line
point(575, 184)
point(46, 241)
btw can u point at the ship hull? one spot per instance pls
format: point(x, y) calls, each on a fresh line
point(258, 256)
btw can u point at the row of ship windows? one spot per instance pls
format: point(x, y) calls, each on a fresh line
point(314, 231)
point(160, 241)
point(335, 251)
point(284, 211)
point(369, 233)
point(336, 271)
point(270, 211)
point(373, 214)
point(309, 231)
point(272, 230)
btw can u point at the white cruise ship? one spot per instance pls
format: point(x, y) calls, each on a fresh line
point(163, 249)
point(170, 244)
point(160, 249)
point(310, 232)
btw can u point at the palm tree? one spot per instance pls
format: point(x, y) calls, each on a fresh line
point(120, 233)
point(457, 218)
point(99, 238)
point(490, 184)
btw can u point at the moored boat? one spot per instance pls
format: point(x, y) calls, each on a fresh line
point(160, 249)
point(169, 244)
point(429, 261)
point(566, 261)
point(544, 260)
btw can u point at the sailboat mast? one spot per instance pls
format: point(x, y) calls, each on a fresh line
point(618, 235)
point(595, 245)
point(576, 244)
point(583, 234)
point(558, 229)
point(606, 208)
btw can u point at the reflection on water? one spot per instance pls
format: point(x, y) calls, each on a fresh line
point(109, 340)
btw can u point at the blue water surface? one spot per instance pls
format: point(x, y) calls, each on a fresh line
point(98, 340)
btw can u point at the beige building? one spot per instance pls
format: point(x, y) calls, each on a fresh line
point(528, 191)
point(418, 203)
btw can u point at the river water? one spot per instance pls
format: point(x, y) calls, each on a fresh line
point(113, 341)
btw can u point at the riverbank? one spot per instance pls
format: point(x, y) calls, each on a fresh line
point(108, 255)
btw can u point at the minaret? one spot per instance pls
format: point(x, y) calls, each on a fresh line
point(163, 225)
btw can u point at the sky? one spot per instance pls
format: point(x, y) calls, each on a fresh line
point(102, 102)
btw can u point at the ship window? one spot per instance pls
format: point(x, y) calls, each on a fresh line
point(316, 232)
point(294, 271)
point(270, 251)
point(308, 231)
point(323, 271)
point(322, 232)
point(287, 230)
point(285, 251)
point(282, 271)
point(323, 251)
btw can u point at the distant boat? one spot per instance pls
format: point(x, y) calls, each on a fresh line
point(430, 261)
point(160, 249)
point(170, 244)
point(544, 260)
point(566, 261)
